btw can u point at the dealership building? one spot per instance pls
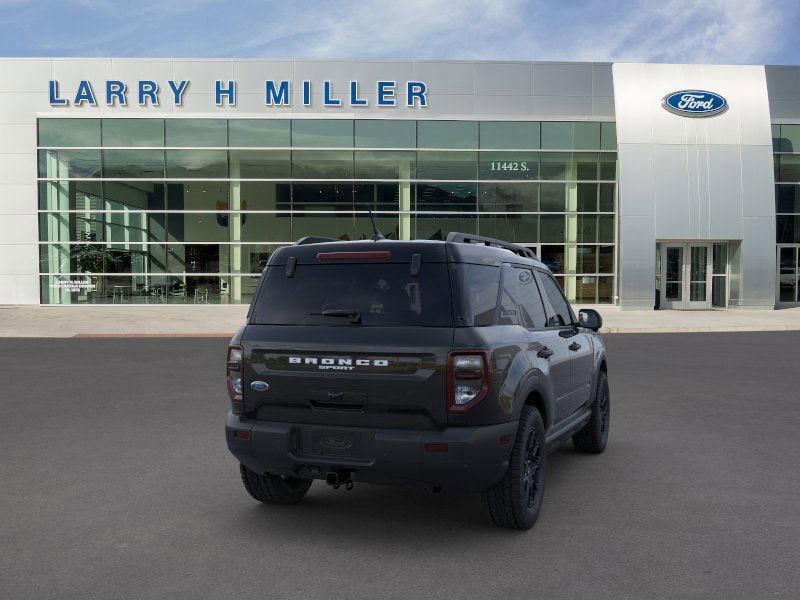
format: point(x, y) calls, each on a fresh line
point(162, 181)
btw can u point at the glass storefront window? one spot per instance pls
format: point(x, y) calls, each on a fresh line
point(382, 133)
point(265, 227)
point(509, 197)
point(608, 166)
point(517, 228)
point(132, 195)
point(587, 136)
point(788, 138)
point(132, 164)
point(605, 262)
point(197, 164)
point(608, 136)
point(260, 164)
point(553, 256)
point(70, 195)
point(585, 166)
point(195, 221)
point(509, 165)
point(557, 166)
point(459, 197)
point(337, 225)
point(587, 259)
point(322, 197)
point(605, 229)
point(387, 223)
point(69, 164)
point(552, 228)
point(552, 197)
point(382, 196)
point(259, 133)
point(447, 165)
point(262, 195)
point(385, 164)
point(587, 197)
point(447, 134)
point(133, 132)
point(198, 195)
point(787, 229)
point(606, 197)
point(322, 164)
point(787, 198)
point(69, 133)
point(197, 133)
point(438, 227)
point(516, 135)
point(322, 133)
point(789, 168)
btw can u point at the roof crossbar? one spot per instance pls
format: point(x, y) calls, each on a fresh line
point(469, 238)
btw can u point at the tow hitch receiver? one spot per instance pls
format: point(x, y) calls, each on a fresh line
point(338, 477)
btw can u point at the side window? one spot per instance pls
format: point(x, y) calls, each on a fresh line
point(563, 314)
point(507, 303)
point(480, 287)
point(530, 300)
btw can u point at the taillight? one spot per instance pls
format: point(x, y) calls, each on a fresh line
point(467, 379)
point(234, 376)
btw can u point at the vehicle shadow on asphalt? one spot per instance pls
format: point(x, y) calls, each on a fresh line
point(388, 513)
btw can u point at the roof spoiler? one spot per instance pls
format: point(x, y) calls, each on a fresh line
point(469, 238)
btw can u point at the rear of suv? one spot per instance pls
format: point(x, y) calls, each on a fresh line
point(454, 364)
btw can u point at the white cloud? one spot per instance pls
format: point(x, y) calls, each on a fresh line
point(736, 31)
point(713, 31)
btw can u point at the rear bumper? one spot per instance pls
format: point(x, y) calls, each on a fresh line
point(476, 457)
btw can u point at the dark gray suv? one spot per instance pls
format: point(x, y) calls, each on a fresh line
point(454, 364)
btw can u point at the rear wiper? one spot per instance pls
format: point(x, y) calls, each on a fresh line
point(345, 313)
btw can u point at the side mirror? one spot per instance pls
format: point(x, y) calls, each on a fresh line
point(590, 318)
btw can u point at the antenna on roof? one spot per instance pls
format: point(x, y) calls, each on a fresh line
point(376, 233)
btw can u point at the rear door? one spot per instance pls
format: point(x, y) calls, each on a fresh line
point(548, 348)
point(353, 344)
point(579, 345)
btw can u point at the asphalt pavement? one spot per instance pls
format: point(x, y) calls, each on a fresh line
point(115, 482)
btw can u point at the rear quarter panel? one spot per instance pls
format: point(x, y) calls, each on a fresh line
point(508, 350)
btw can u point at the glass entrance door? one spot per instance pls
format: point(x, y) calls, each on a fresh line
point(788, 291)
point(673, 276)
point(686, 276)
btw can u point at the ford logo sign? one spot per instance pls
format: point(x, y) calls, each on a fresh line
point(259, 386)
point(695, 103)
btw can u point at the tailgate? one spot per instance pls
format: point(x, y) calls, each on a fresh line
point(376, 377)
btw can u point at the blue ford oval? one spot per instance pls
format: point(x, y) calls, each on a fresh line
point(695, 103)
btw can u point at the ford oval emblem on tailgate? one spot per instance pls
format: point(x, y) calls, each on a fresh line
point(335, 443)
point(259, 386)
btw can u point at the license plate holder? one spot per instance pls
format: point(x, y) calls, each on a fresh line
point(338, 443)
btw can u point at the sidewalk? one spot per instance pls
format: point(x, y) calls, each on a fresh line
point(222, 321)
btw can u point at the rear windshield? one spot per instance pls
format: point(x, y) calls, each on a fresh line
point(385, 294)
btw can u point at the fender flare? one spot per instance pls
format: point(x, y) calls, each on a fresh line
point(535, 383)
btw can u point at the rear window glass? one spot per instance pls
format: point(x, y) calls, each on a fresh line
point(385, 294)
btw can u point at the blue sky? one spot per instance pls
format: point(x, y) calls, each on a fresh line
point(711, 31)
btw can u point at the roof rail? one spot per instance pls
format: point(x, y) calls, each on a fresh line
point(310, 239)
point(469, 238)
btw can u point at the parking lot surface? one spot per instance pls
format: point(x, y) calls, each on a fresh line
point(115, 483)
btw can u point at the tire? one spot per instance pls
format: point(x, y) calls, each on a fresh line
point(271, 489)
point(516, 501)
point(594, 435)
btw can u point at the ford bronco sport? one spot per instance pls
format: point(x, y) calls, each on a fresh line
point(454, 364)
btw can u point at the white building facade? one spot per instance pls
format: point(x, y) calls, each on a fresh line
point(172, 181)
